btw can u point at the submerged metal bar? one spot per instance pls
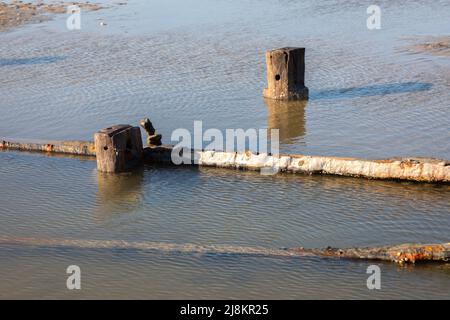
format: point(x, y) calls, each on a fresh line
point(408, 169)
point(85, 148)
point(404, 253)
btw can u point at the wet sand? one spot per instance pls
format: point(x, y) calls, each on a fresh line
point(437, 46)
point(18, 13)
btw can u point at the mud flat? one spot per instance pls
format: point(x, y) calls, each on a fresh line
point(437, 46)
point(16, 13)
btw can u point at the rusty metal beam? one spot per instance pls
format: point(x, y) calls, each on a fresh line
point(408, 169)
point(404, 253)
point(85, 148)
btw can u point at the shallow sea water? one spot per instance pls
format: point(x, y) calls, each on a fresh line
point(181, 61)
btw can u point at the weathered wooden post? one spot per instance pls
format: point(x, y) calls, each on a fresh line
point(153, 139)
point(118, 148)
point(286, 74)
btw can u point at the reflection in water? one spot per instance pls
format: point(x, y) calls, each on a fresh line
point(209, 207)
point(119, 193)
point(288, 117)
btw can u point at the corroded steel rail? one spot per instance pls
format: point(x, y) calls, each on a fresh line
point(412, 169)
point(404, 253)
point(409, 169)
point(85, 148)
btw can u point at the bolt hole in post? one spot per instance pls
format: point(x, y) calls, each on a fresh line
point(118, 149)
point(286, 74)
point(128, 150)
point(128, 146)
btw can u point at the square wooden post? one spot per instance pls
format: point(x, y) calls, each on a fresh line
point(286, 74)
point(118, 148)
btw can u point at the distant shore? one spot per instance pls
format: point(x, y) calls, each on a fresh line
point(17, 13)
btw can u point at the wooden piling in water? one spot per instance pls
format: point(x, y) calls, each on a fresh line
point(286, 74)
point(118, 148)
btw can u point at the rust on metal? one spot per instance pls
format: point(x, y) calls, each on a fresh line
point(83, 148)
point(403, 253)
point(404, 169)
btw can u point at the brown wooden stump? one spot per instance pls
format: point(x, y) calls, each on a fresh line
point(153, 139)
point(286, 74)
point(118, 148)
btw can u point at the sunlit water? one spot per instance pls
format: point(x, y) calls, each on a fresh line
point(204, 60)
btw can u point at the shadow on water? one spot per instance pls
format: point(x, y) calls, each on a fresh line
point(368, 91)
point(289, 116)
point(30, 61)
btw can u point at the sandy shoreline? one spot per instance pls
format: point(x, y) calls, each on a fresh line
point(17, 13)
point(437, 46)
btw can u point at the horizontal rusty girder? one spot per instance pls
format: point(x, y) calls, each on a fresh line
point(404, 253)
point(408, 169)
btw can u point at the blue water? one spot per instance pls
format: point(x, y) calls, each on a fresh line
point(181, 61)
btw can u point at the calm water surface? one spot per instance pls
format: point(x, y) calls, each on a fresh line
point(180, 61)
